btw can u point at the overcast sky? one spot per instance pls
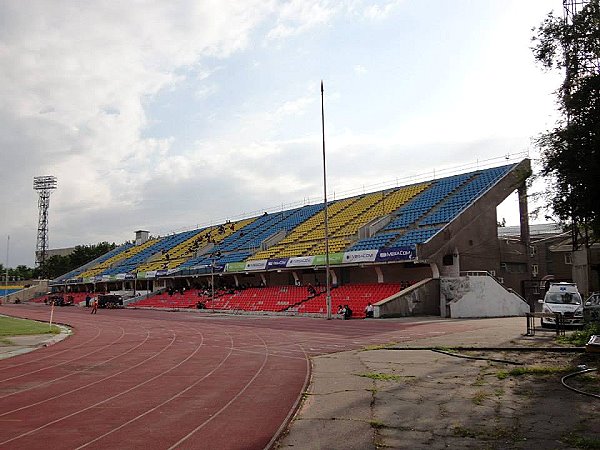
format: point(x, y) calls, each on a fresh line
point(165, 115)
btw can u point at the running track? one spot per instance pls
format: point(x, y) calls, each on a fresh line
point(142, 379)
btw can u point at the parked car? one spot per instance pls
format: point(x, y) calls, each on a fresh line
point(563, 299)
point(591, 308)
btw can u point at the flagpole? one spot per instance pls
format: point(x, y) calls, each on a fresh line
point(327, 282)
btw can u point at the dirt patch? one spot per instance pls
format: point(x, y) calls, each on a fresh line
point(447, 402)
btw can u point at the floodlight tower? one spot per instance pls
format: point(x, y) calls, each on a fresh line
point(44, 185)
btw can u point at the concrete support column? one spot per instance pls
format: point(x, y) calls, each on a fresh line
point(379, 274)
point(524, 215)
point(334, 280)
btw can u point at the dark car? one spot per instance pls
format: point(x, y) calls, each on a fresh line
point(591, 309)
point(110, 301)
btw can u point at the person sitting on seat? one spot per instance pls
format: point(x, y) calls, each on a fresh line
point(347, 312)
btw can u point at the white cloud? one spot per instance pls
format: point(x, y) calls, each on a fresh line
point(360, 69)
point(297, 16)
point(379, 12)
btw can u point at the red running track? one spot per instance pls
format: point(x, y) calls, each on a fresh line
point(159, 380)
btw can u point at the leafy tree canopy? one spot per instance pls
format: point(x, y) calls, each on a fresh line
point(571, 151)
point(56, 266)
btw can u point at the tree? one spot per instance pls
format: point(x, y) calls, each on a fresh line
point(571, 151)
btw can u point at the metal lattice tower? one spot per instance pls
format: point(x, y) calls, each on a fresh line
point(44, 185)
point(584, 62)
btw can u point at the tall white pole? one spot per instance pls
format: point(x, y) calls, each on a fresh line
point(327, 282)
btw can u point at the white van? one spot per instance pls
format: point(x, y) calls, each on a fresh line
point(563, 298)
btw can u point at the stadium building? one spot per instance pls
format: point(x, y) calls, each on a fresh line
point(428, 248)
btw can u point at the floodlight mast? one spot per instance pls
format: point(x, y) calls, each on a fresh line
point(44, 185)
point(327, 281)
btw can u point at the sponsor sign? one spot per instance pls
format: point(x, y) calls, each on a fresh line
point(334, 258)
point(171, 271)
point(120, 276)
point(360, 256)
point(395, 254)
point(151, 274)
point(259, 264)
point(141, 275)
point(161, 273)
point(129, 276)
point(277, 263)
point(235, 266)
point(300, 261)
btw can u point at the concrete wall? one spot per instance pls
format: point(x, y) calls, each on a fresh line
point(28, 293)
point(420, 299)
point(479, 296)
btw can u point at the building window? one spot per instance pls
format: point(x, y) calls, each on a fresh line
point(511, 267)
point(532, 251)
point(568, 258)
point(534, 270)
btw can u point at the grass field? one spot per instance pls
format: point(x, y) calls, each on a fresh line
point(10, 326)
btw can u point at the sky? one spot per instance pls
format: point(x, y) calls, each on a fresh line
point(165, 116)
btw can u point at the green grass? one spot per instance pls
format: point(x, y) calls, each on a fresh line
point(377, 424)
point(380, 376)
point(10, 326)
point(577, 441)
point(580, 337)
point(479, 397)
point(379, 346)
point(533, 370)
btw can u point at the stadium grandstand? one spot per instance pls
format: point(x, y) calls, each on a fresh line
point(405, 249)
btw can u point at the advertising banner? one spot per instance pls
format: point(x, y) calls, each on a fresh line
point(395, 254)
point(129, 276)
point(161, 273)
point(120, 276)
point(151, 274)
point(235, 266)
point(259, 264)
point(277, 263)
point(334, 259)
point(300, 261)
point(360, 256)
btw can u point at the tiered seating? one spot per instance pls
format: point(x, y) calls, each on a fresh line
point(374, 242)
point(299, 240)
point(159, 246)
point(238, 247)
point(182, 252)
point(273, 298)
point(344, 235)
point(357, 296)
point(111, 254)
point(464, 196)
point(422, 203)
point(414, 237)
point(121, 256)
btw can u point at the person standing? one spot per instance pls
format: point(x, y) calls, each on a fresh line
point(94, 306)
